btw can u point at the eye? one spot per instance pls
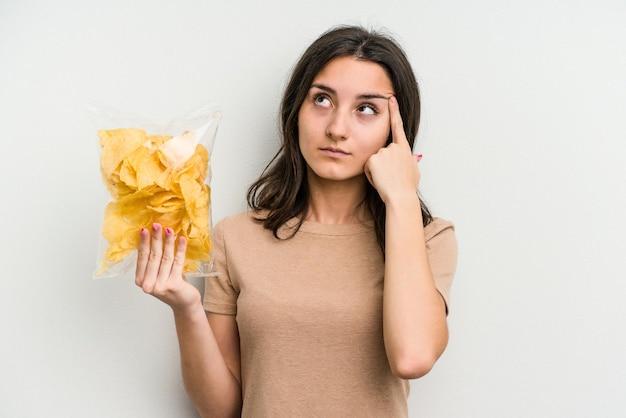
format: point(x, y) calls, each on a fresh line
point(321, 99)
point(367, 109)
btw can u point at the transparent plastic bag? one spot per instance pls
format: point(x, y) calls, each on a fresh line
point(155, 173)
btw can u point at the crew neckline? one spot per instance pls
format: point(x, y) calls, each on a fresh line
point(331, 229)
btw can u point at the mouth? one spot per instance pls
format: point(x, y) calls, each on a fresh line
point(334, 152)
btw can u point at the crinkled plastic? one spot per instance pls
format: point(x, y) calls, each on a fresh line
point(155, 173)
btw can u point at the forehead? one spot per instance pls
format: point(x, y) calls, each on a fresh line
point(352, 75)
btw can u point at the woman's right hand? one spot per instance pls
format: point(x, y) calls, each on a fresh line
point(160, 268)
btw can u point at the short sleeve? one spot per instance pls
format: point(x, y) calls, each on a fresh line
point(442, 249)
point(219, 294)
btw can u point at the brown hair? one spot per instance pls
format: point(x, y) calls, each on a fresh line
point(282, 188)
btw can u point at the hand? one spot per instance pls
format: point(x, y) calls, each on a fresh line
point(160, 268)
point(393, 169)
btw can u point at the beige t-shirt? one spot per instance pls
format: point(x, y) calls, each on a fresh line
point(309, 313)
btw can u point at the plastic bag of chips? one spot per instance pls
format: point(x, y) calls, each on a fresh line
point(155, 173)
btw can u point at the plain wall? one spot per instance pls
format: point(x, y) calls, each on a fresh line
point(523, 137)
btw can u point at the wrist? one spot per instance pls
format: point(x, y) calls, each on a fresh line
point(408, 200)
point(192, 310)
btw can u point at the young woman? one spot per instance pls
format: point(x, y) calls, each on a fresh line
point(332, 291)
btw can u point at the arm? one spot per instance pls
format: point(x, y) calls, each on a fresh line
point(414, 313)
point(212, 380)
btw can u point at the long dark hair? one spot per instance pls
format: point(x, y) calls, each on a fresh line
point(281, 192)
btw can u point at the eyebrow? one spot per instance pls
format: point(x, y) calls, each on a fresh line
point(360, 96)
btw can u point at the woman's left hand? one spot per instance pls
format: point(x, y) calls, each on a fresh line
point(393, 169)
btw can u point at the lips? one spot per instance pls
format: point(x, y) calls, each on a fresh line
point(334, 152)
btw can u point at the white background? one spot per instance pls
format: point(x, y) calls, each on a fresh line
point(523, 137)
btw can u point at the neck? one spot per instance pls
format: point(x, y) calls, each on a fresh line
point(337, 202)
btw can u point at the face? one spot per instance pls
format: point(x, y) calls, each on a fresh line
point(344, 119)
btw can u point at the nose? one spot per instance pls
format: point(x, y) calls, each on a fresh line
point(338, 128)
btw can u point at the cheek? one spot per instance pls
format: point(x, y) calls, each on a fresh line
point(306, 142)
point(305, 127)
point(303, 138)
point(377, 139)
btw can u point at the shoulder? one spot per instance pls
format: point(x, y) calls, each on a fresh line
point(238, 219)
point(240, 236)
point(440, 232)
point(240, 223)
point(437, 226)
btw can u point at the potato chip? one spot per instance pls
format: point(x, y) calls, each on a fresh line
point(116, 145)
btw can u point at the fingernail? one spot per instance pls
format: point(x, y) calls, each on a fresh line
point(419, 157)
point(168, 231)
point(155, 227)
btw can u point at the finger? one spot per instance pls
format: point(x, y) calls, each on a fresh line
point(167, 259)
point(179, 258)
point(368, 172)
point(395, 120)
point(154, 258)
point(143, 251)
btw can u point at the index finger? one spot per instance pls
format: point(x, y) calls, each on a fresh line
point(143, 251)
point(395, 120)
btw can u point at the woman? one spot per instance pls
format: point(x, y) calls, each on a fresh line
point(299, 322)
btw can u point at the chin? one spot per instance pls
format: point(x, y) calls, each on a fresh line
point(333, 175)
